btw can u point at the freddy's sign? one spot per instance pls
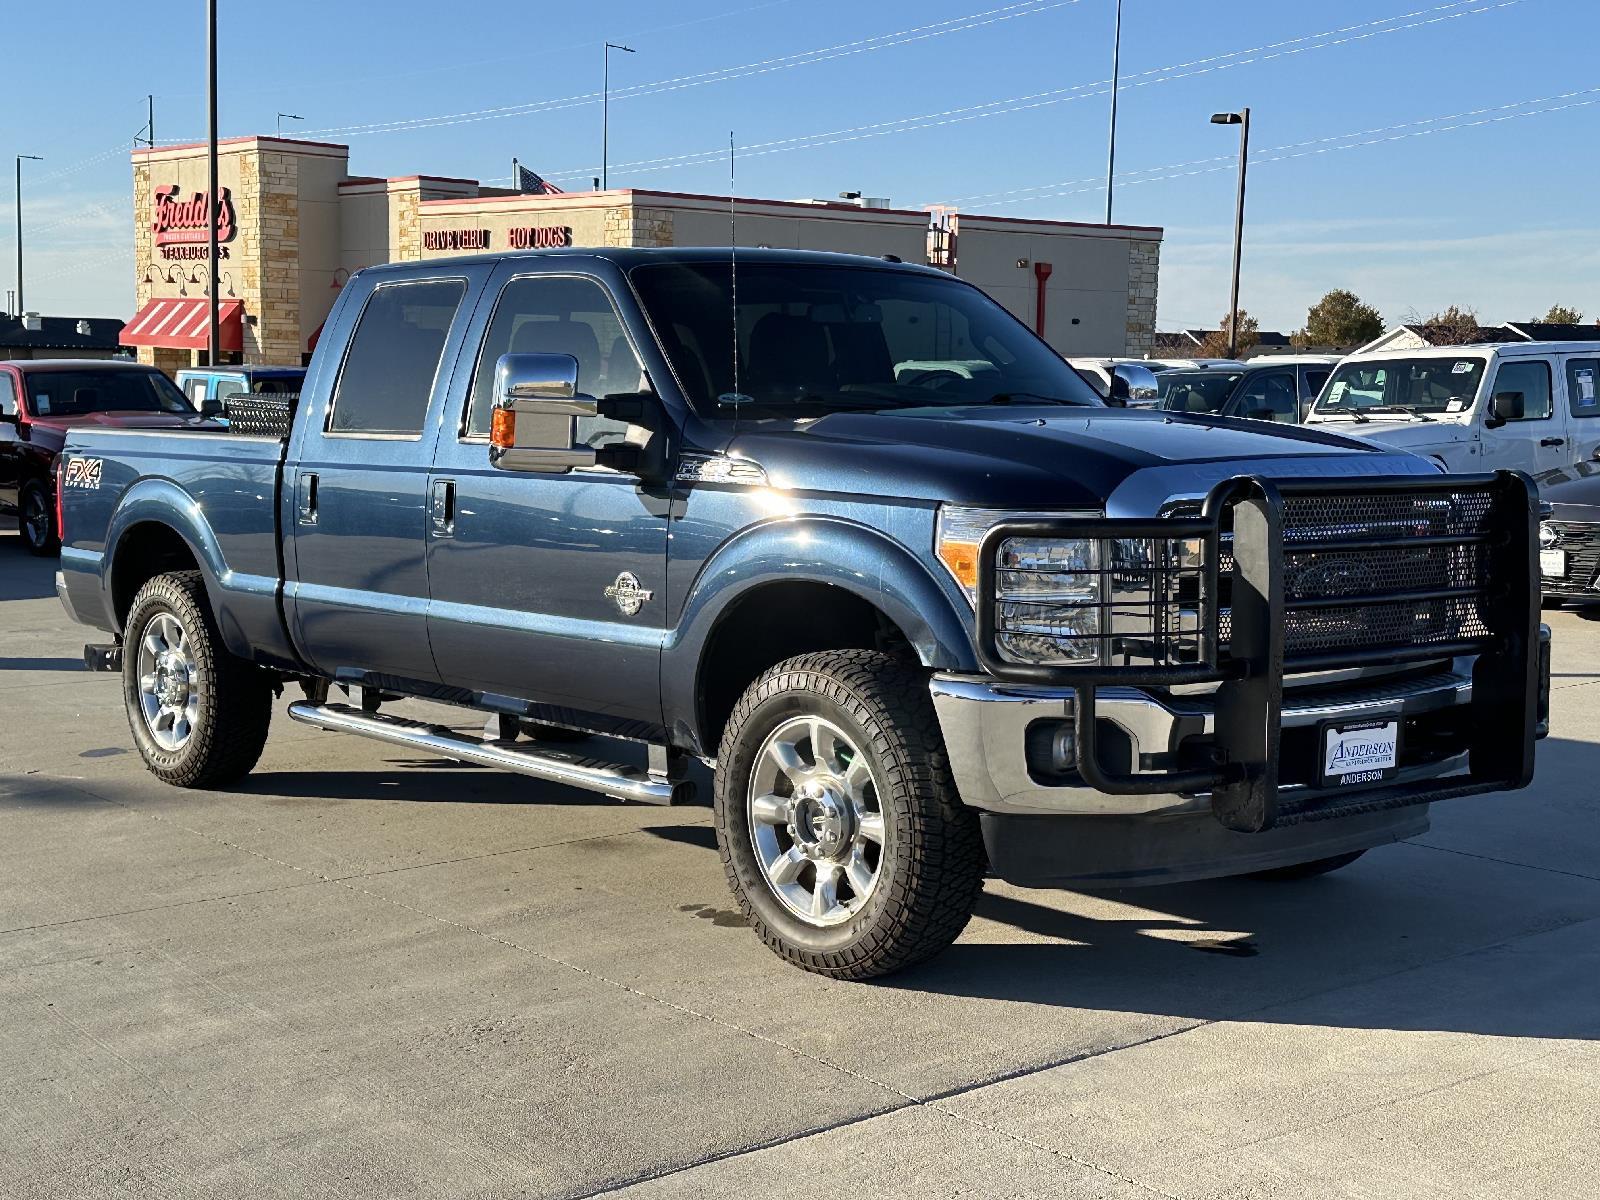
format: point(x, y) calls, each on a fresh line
point(184, 221)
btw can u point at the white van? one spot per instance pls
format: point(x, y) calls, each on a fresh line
point(1528, 406)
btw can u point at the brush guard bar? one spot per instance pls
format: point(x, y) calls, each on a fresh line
point(1242, 606)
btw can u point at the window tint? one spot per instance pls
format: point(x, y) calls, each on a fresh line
point(1268, 396)
point(1196, 391)
point(538, 315)
point(8, 394)
point(394, 356)
point(1532, 379)
point(1315, 378)
point(1583, 386)
point(76, 393)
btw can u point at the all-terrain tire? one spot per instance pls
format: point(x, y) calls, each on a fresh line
point(1309, 870)
point(36, 520)
point(229, 729)
point(931, 863)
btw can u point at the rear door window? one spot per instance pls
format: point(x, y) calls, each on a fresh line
point(389, 370)
point(1583, 386)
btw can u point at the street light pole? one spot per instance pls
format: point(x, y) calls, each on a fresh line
point(1242, 120)
point(22, 306)
point(214, 335)
point(605, 114)
point(287, 116)
point(1116, 75)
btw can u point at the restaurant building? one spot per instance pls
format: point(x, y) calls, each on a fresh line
point(293, 224)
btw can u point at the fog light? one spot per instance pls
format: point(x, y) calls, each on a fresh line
point(1052, 748)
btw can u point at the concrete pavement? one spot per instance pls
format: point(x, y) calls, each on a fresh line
point(365, 974)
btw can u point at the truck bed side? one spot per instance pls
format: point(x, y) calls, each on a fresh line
point(135, 504)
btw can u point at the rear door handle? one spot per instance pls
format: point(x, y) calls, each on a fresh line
point(442, 508)
point(308, 498)
point(1552, 441)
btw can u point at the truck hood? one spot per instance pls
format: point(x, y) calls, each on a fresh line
point(1411, 435)
point(1038, 458)
point(52, 430)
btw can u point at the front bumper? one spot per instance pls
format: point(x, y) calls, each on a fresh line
point(995, 734)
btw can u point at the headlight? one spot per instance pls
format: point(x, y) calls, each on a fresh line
point(960, 532)
point(1074, 601)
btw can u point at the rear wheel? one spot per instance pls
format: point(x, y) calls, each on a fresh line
point(36, 520)
point(840, 829)
point(1309, 870)
point(199, 716)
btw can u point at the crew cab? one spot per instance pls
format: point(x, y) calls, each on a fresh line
point(925, 623)
point(1523, 406)
point(1273, 389)
point(41, 400)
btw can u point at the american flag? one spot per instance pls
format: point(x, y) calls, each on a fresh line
point(533, 183)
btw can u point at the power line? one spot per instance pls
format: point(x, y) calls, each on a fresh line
point(1083, 91)
point(1393, 133)
point(803, 58)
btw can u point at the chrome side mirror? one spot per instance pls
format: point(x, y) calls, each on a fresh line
point(1134, 383)
point(536, 403)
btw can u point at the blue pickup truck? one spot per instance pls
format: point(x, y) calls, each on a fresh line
point(847, 531)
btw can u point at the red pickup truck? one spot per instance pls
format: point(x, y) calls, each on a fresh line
point(41, 399)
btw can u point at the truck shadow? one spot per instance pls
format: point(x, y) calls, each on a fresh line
point(22, 576)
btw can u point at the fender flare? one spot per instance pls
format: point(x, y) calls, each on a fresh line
point(156, 501)
point(813, 549)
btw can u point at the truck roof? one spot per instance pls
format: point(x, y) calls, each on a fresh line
point(1497, 349)
point(626, 257)
point(31, 365)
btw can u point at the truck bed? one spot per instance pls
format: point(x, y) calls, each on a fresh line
point(228, 488)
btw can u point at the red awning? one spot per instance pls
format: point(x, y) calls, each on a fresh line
point(184, 324)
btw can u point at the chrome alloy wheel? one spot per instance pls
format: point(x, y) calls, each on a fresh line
point(815, 820)
point(168, 697)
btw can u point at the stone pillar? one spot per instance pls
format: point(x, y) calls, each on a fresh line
point(1144, 260)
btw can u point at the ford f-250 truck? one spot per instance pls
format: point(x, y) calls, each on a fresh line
point(851, 533)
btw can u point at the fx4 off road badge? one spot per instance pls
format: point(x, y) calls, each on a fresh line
point(82, 473)
point(627, 593)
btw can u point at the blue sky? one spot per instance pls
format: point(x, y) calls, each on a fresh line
point(1419, 152)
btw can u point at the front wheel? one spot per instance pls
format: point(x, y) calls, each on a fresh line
point(199, 715)
point(839, 825)
point(36, 520)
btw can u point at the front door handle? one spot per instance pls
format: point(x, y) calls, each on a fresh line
point(308, 498)
point(1552, 441)
point(442, 508)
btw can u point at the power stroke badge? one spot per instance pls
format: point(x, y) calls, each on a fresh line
point(628, 595)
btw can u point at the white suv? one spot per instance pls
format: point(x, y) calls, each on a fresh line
point(1528, 406)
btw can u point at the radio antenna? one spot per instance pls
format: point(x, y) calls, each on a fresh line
point(733, 268)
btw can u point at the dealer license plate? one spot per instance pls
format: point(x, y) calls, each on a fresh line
point(1366, 752)
point(1553, 564)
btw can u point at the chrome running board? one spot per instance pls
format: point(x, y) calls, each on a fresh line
point(553, 766)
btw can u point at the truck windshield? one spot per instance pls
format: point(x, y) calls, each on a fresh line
point(814, 339)
point(78, 393)
point(1420, 386)
point(1196, 391)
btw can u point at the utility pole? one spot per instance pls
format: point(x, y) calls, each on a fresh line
point(1116, 75)
point(214, 336)
point(605, 113)
point(1242, 120)
point(22, 305)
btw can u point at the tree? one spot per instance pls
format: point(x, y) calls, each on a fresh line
point(1340, 320)
point(1560, 314)
point(1455, 326)
point(1215, 344)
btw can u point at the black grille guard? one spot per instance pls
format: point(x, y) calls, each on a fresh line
point(1510, 675)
